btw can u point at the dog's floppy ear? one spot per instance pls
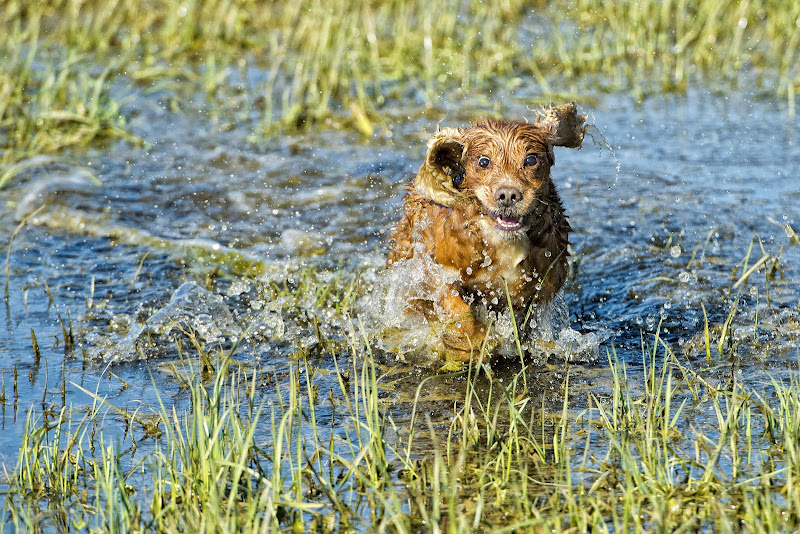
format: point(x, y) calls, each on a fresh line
point(563, 126)
point(443, 165)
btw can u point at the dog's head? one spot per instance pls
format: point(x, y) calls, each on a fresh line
point(503, 166)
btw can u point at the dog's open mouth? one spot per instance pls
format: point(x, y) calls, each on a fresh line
point(507, 223)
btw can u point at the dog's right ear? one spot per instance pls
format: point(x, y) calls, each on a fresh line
point(443, 170)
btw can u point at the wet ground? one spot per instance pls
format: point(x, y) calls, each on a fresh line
point(117, 242)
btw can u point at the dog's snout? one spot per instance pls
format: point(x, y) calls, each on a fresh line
point(507, 196)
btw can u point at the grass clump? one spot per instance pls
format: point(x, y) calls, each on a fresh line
point(253, 451)
point(672, 42)
point(74, 70)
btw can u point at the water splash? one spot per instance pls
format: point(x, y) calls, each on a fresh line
point(544, 334)
point(191, 311)
point(392, 312)
point(391, 308)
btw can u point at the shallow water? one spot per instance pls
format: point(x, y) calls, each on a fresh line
point(661, 222)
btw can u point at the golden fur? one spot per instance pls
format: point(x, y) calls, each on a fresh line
point(483, 204)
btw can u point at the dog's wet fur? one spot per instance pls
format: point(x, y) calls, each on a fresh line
point(483, 204)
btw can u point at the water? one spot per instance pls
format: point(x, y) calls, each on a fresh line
point(125, 237)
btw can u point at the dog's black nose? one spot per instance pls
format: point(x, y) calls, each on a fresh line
point(507, 196)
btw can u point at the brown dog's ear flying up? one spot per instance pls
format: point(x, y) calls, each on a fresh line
point(443, 170)
point(565, 127)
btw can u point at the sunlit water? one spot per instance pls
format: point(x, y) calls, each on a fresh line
point(660, 223)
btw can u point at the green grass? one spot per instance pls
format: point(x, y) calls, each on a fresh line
point(664, 445)
point(636, 458)
point(661, 449)
point(71, 67)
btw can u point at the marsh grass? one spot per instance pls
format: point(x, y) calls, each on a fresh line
point(75, 71)
point(255, 452)
point(660, 448)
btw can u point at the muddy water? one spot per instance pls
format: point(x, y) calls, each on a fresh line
point(124, 239)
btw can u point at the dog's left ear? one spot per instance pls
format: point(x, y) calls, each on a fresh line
point(443, 169)
point(563, 126)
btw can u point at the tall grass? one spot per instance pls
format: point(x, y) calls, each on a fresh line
point(676, 41)
point(74, 70)
point(633, 460)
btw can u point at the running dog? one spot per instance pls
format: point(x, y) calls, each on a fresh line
point(484, 206)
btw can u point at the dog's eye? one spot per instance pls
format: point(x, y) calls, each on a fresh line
point(531, 160)
point(483, 161)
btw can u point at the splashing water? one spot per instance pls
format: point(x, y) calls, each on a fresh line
point(191, 310)
point(544, 334)
point(392, 312)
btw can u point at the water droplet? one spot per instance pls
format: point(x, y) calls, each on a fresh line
point(754, 291)
point(675, 251)
point(469, 270)
point(547, 254)
point(684, 277)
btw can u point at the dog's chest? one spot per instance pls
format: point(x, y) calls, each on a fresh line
point(498, 264)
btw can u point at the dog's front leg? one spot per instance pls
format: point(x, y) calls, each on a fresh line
point(462, 334)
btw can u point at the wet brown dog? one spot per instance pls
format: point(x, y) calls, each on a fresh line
point(483, 204)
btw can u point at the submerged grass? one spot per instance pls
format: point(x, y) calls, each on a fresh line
point(306, 461)
point(75, 71)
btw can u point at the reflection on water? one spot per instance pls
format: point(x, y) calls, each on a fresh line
point(127, 240)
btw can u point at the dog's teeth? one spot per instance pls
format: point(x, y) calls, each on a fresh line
point(507, 222)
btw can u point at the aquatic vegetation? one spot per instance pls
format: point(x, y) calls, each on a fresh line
point(310, 460)
point(77, 71)
point(268, 401)
point(248, 443)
